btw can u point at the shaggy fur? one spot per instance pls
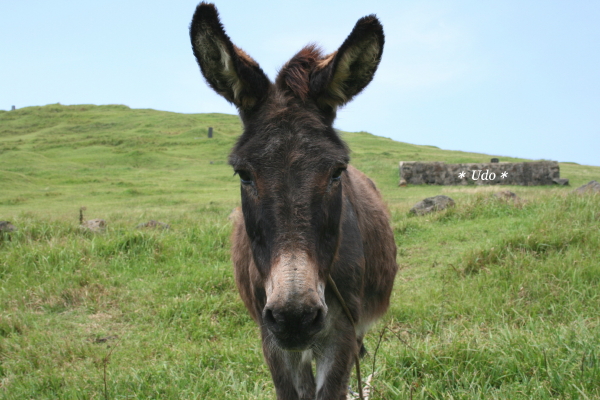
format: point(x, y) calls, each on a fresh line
point(306, 213)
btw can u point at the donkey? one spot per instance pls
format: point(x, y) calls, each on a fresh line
point(310, 221)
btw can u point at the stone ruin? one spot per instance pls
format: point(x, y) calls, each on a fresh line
point(492, 173)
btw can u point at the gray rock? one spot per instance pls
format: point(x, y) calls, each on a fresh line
point(591, 187)
point(506, 195)
point(94, 225)
point(154, 224)
point(432, 204)
point(6, 226)
point(500, 173)
point(561, 181)
point(509, 197)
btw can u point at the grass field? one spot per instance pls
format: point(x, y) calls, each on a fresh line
point(494, 300)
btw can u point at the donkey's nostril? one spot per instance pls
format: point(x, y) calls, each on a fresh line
point(274, 320)
point(313, 321)
point(319, 317)
point(269, 317)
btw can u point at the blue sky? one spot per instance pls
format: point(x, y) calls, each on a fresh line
point(509, 78)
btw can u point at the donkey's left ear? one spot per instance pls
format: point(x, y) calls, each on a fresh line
point(345, 73)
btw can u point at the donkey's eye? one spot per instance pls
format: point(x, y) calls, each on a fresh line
point(337, 174)
point(245, 176)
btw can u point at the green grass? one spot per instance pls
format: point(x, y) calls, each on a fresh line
point(509, 315)
point(58, 157)
point(494, 300)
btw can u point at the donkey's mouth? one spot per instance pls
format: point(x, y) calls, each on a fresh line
point(294, 342)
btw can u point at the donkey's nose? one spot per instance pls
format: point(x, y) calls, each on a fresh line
point(299, 322)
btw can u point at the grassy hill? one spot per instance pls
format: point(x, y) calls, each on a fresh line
point(494, 300)
point(55, 158)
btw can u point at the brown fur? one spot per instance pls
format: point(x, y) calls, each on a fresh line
point(306, 213)
point(380, 265)
point(295, 74)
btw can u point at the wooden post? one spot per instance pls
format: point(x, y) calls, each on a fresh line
point(210, 132)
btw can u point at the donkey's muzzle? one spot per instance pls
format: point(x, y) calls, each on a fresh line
point(294, 326)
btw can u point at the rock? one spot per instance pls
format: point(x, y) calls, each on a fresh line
point(6, 226)
point(506, 195)
point(561, 181)
point(94, 225)
point(494, 173)
point(432, 204)
point(402, 183)
point(154, 224)
point(591, 187)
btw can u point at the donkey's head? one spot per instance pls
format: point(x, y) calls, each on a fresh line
point(291, 163)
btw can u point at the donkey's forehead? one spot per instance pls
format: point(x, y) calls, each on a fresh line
point(285, 147)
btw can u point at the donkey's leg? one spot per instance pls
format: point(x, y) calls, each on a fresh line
point(291, 371)
point(335, 358)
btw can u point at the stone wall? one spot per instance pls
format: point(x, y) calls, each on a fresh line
point(493, 173)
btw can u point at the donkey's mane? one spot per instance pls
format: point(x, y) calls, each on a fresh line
point(295, 75)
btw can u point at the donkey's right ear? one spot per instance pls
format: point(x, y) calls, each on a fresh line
point(227, 69)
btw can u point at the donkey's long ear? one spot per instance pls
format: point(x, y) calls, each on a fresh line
point(227, 68)
point(343, 74)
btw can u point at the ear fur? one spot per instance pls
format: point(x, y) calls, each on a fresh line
point(343, 74)
point(227, 69)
